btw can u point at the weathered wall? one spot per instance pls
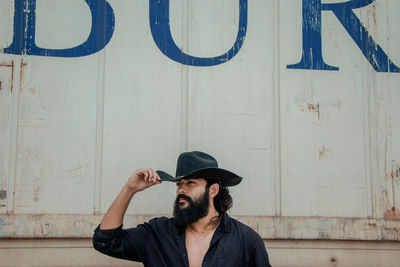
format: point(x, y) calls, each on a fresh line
point(283, 253)
point(300, 97)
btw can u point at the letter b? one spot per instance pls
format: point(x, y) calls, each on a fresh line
point(103, 22)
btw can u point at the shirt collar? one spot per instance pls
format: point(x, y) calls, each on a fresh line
point(224, 225)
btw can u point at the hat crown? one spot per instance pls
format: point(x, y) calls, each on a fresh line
point(189, 162)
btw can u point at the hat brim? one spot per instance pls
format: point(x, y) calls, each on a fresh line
point(224, 177)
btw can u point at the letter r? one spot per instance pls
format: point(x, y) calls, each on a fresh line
point(312, 48)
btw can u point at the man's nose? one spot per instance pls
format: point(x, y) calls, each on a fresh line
point(182, 190)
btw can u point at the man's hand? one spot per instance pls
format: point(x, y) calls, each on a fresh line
point(142, 179)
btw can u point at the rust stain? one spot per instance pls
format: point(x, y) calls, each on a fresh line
point(374, 13)
point(21, 74)
point(5, 65)
point(393, 213)
point(394, 175)
point(322, 153)
point(8, 65)
point(12, 75)
point(314, 108)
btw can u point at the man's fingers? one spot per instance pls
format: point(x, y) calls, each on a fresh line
point(154, 176)
point(148, 175)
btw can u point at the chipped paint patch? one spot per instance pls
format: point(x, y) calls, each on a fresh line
point(313, 108)
point(3, 194)
point(393, 213)
point(2, 226)
point(322, 154)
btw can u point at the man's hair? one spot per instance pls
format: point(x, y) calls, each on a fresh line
point(223, 200)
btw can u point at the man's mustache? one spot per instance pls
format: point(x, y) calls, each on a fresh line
point(188, 199)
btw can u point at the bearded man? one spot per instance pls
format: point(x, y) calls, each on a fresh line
point(200, 234)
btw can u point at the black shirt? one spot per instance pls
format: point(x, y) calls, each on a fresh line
point(161, 242)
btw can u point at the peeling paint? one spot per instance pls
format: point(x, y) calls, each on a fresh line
point(393, 213)
point(8, 65)
point(314, 108)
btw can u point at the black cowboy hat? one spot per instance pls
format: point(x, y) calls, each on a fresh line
point(198, 164)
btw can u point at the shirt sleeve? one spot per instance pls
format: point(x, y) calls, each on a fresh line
point(259, 253)
point(119, 243)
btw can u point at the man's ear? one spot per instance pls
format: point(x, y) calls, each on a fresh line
point(214, 189)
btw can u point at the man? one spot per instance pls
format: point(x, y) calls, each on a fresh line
point(200, 234)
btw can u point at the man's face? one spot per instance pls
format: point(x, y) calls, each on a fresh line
point(192, 201)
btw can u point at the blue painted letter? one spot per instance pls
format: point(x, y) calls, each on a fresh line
point(312, 55)
point(312, 49)
point(160, 29)
point(103, 22)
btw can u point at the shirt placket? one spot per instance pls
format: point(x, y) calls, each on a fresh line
point(182, 248)
point(217, 236)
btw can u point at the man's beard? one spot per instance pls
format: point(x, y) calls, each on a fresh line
point(195, 210)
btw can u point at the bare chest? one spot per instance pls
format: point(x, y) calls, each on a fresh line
point(197, 246)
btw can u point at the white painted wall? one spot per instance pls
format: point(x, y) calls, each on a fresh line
point(317, 149)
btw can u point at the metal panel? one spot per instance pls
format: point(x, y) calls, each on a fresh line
point(56, 126)
point(383, 99)
point(6, 106)
point(392, 85)
point(142, 109)
point(6, 86)
point(324, 151)
point(230, 107)
point(56, 136)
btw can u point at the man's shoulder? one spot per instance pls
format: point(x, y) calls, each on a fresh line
point(242, 228)
point(247, 234)
point(156, 225)
point(161, 222)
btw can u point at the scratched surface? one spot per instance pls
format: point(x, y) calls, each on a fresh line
point(319, 150)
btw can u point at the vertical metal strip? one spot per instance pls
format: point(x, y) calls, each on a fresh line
point(99, 133)
point(15, 113)
point(185, 79)
point(370, 137)
point(277, 111)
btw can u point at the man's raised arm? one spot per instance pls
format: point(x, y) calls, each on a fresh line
point(138, 181)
